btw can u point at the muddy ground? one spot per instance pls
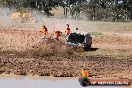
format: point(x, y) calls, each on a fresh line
point(27, 52)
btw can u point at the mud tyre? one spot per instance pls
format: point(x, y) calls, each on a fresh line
point(87, 42)
point(84, 82)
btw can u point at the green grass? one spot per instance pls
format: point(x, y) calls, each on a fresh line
point(118, 54)
point(96, 34)
point(129, 26)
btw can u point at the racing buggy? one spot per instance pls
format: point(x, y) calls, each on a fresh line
point(75, 39)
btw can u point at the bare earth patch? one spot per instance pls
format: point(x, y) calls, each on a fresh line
point(27, 53)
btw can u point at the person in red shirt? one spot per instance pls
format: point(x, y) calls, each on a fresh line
point(67, 30)
point(57, 34)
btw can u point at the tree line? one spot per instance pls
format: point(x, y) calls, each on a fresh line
point(106, 10)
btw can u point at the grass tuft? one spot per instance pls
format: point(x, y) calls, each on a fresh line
point(96, 34)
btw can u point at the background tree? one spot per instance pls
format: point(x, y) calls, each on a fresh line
point(103, 10)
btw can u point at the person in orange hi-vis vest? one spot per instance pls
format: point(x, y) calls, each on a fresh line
point(67, 30)
point(57, 34)
point(85, 73)
point(44, 30)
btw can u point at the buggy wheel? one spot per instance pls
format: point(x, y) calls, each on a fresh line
point(84, 81)
point(87, 42)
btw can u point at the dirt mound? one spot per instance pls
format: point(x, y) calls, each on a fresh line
point(49, 47)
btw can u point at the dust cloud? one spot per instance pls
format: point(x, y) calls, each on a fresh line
point(51, 23)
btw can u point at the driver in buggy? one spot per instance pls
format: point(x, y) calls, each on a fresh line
point(77, 39)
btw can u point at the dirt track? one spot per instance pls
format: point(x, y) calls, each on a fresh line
point(26, 53)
